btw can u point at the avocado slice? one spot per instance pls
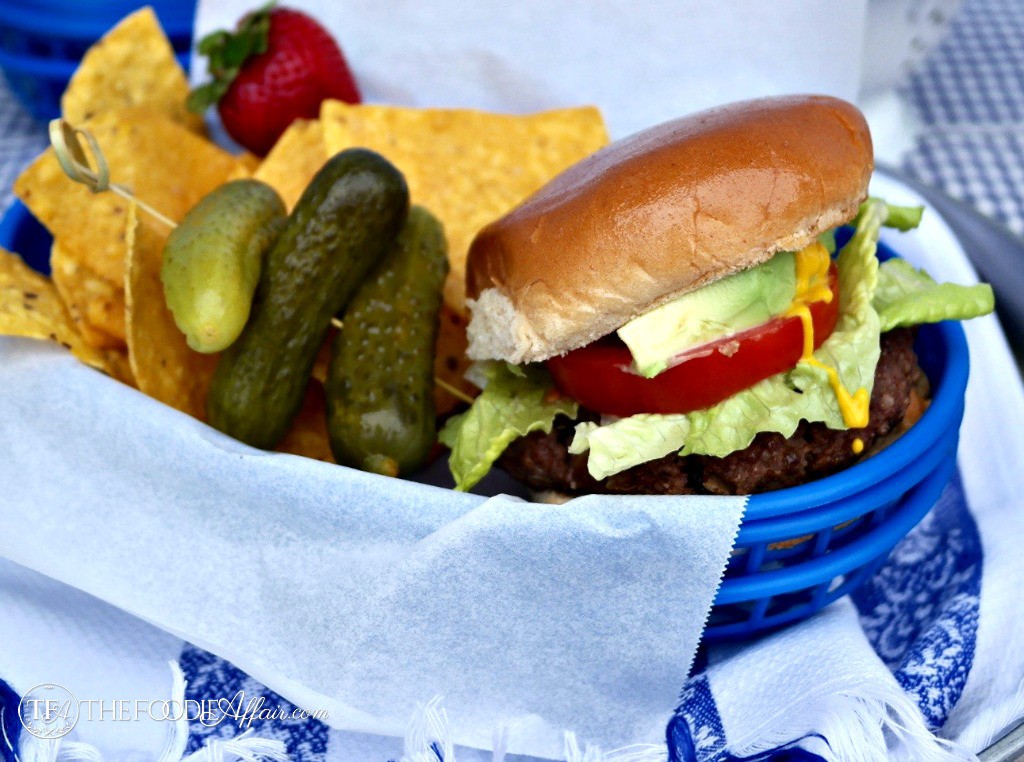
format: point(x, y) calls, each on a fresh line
point(715, 311)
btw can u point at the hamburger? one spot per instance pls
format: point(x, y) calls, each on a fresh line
point(672, 315)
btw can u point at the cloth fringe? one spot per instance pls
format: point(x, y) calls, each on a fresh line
point(177, 732)
point(874, 723)
point(500, 743)
point(592, 753)
point(73, 751)
point(245, 747)
point(10, 723)
point(429, 739)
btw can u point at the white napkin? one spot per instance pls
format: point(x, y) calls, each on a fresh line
point(839, 696)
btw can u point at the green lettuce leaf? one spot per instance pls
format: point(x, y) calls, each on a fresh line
point(902, 218)
point(629, 441)
point(513, 403)
point(906, 296)
point(828, 240)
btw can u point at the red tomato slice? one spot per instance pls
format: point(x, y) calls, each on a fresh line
point(600, 377)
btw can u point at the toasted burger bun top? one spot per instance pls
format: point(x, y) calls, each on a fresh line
point(661, 213)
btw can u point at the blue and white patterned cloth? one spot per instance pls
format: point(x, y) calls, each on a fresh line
point(938, 622)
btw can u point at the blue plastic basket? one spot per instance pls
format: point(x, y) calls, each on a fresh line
point(42, 41)
point(22, 233)
point(800, 548)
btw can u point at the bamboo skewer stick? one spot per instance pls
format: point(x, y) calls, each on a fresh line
point(74, 160)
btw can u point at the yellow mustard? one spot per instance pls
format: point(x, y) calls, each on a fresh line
point(812, 265)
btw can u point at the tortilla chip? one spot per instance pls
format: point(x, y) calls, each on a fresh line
point(468, 167)
point(164, 366)
point(240, 172)
point(250, 161)
point(132, 65)
point(308, 433)
point(450, 361)
point(31, 307)
point(96, 305)
point(296, 156)
point(119, 366)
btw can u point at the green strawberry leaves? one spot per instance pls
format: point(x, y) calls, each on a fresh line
point(227, 53)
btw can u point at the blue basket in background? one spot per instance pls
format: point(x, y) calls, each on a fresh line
point(42, 41)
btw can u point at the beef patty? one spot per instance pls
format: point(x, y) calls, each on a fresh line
point(771, 462)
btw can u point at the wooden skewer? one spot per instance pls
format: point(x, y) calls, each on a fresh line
point(74, 160)
point(453, 390)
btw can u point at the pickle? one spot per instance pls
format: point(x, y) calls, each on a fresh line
point(380, 403)
point(345, 221)
point(212, 261)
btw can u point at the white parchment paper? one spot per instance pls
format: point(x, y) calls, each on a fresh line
point(352, 592)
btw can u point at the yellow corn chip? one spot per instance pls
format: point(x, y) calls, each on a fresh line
point(467, 167)
point(164, 366)
point(296, 156)
point(96, 305)
point(240, 172)
point(132, 65)
point(30, 307)
point(119, 366)
point(250, 161)
point(308, 433)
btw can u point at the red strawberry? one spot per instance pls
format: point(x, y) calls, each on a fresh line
point(278, 66)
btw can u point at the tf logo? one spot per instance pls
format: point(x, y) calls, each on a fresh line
point(48, 711)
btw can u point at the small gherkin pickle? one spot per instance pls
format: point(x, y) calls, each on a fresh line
point(212, 261)
point(380, 404)
point(345, 221)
